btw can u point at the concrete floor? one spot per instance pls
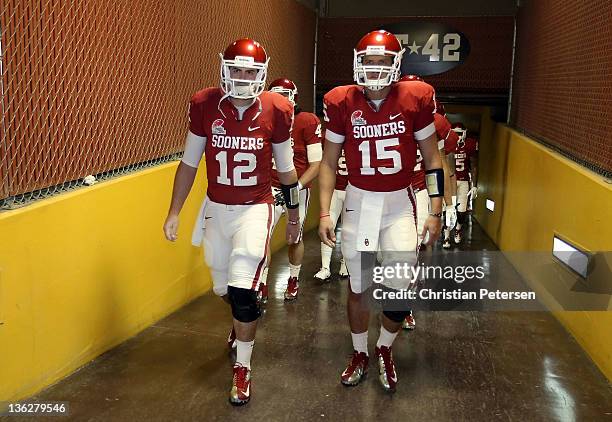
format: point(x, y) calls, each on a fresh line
point(456, 366)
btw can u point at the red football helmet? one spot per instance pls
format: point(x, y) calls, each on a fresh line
point(285, 87)
point(411, 78)
point(461, 131)
point(249, 54)
point(440, 108)
point(377, 43)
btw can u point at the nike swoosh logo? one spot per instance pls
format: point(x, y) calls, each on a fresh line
point(394, 116)
point(251, 129)
point(206, 218)
point(347, 210)
point(345, 373)
point(246, 393)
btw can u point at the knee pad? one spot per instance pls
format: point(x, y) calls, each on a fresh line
point(244, 304)
point(396, 316)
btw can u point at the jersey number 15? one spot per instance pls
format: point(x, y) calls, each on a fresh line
point(382, 152)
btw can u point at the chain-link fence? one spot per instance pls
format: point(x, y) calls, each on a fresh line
point(101, 87)
point(562, 87)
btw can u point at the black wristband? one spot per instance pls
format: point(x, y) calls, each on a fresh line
point(291, 194)
point(434, 179)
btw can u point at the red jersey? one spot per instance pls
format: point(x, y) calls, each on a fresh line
point(445, 135)
point(238, 153)
point(306, 131)
point(380, 145)
point(341, 173)
point(462, 158)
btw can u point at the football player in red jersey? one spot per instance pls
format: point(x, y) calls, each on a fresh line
point(447, 145)
point(238, 127)
point(467, 175)
point(378, 123)
point(307, 153)
point(335, 210)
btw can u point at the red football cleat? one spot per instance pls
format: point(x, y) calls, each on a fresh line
point(386, 368)
point(356, 370)
point(409, 323)
point(292, 289)
point(241, 386)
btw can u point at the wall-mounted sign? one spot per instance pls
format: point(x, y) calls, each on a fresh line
point(431, 48)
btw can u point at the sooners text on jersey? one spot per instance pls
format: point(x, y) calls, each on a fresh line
point(238, 153)
point(380, 146)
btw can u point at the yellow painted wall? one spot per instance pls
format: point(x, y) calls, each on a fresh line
point(83, 271)
point(537, 193)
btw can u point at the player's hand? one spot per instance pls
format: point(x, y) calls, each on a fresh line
point(433, 225)
point(473, 192)
point(327, 232)
point(171, 227)
point(293, 230)
point(451, 217)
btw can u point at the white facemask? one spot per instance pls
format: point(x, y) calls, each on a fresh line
point(241, 88)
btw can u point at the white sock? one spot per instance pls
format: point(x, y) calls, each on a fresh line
point(294, 270)
point(446, 233)
point(360, 342)
point(386, 338)
point(458, 226)
point(244, 349)
point(326, 253)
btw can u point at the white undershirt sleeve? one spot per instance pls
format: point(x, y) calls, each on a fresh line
point(314, 152)
point(334, 137)
point(194, 149)
point(283, 156)
point(426, 132)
